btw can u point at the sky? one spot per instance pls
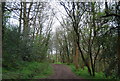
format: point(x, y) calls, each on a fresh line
point(58, 0)
point(56, 7)
point(59, 12)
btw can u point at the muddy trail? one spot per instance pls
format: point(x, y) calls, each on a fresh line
point(63, 72)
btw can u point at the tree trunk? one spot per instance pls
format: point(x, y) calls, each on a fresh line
point(118, 39)
point(1, 25)
point(86, 63)
point(56, 56)
point(25, 22)
point(20, 19)
point(76, 57)
point(2, 12)
point(118, 48)
point(67, 49)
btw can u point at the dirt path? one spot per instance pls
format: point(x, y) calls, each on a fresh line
point(62, 72)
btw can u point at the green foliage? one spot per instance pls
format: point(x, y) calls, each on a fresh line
point(100, 75)
point(39, 49)
point(99, 14)
point(10, 47)
point(16, 49)
point(21, 53)
point(109, 44)
point(21, 59)
point(84, 73)
point(58, 63)
point(29, 70)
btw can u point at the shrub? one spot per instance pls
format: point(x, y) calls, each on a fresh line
point(29, 70)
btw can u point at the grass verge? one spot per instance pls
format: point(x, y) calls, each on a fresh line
point(30, 70)
point(84, 73)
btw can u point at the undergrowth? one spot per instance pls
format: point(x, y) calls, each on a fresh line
point(98, 75)
point(29, 70)
point(84, 73)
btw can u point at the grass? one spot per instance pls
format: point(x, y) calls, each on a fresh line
point(30, 70)
point(84, 73)
point(98, 75)
point(58, 63)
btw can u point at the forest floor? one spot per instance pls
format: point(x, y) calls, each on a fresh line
point(62, 71)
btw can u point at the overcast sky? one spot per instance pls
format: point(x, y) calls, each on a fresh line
point(58, 9)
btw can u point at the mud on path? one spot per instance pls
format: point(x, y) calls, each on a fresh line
point(62, 72)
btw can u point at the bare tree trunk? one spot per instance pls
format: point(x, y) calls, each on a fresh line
point(76, 57)
point(2, 12)
point(85, 62)
point(56, 56)
point(25, 22)
point(26, 26)
point(91, 40)
point(1, 25)
point(118, 52)
point(20, 19)
point(68, 54)
point(118, 41)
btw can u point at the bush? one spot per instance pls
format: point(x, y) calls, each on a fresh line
point(30, 70)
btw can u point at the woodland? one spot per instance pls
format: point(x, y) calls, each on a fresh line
point(84, 36)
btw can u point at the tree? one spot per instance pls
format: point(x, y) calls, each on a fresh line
point(117, 16)
point(75, 22)
point(1, 32)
